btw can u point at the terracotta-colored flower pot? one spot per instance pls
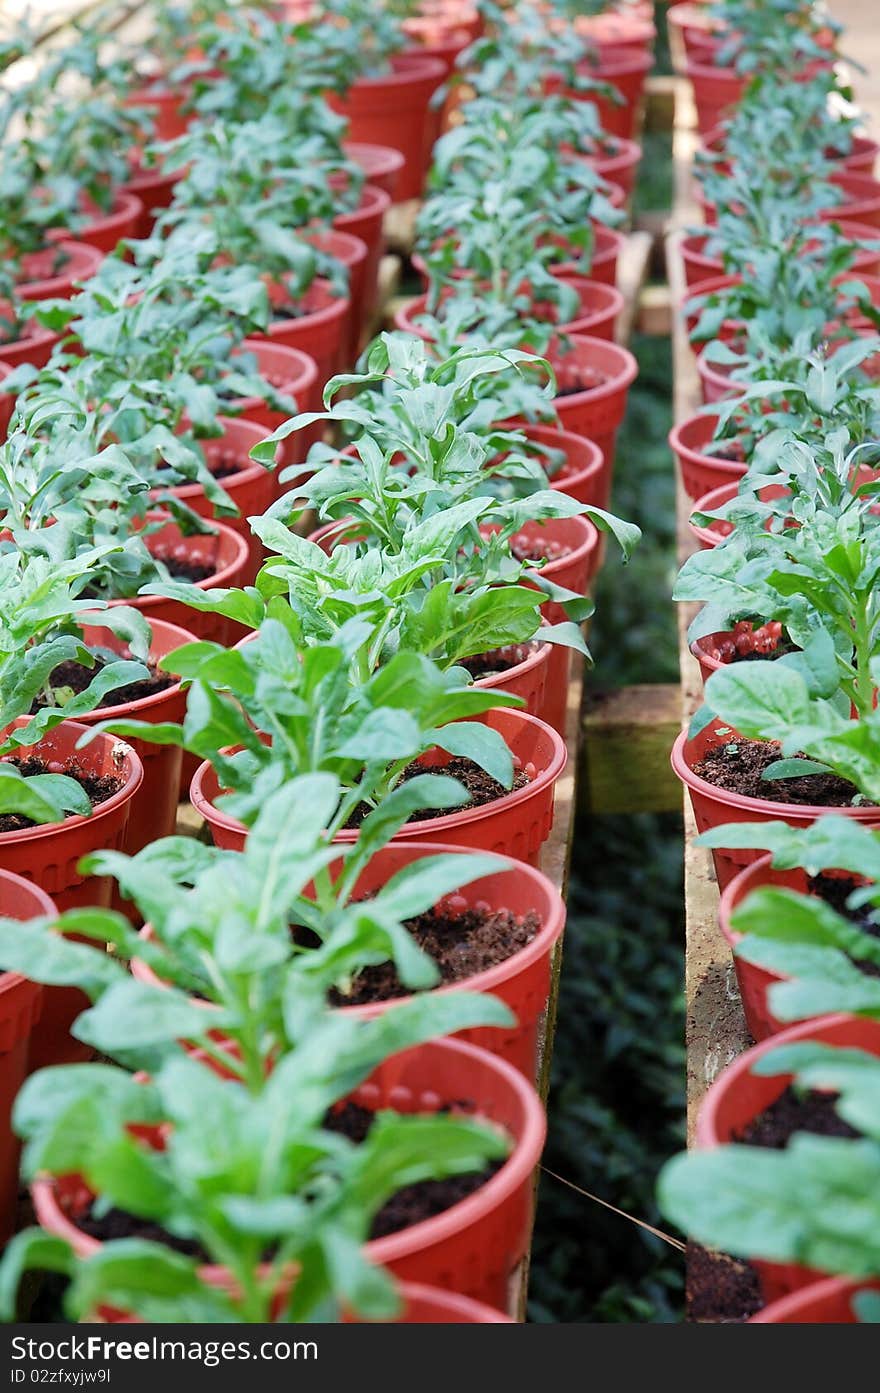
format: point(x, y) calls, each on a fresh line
point(251, 487)
point(822, 1303)
point(754, 981)
point(717, 92)
point(353, 254)
point(716, 383)
point(395, 110)
point(594, 412)
point(620, 165)
point(153, 811)
point(860, 201)
point(738, 1096)
point(48, 856)
point(381, 164)
point(367, 224)
point(430, 1306)
point(702, 473)
point(155, 189)
point(34, 345)
point(713, 532)
point(294, 374)
point(516, 824)
point(20, 1005)
point(700, 269)
point(714, 806)
point(522, 981)
point(165, 108)
point(54, 273)
point(320, 331)
point(626, 70)
point(223, 550)
point(475, 1247)
point(106, 230)
point(580, 475)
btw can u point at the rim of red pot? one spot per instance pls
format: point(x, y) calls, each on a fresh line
point(708, 1132)
point(301, 365)
point(131, 782)
point(567, 440)
point(788, 1310)
point(615, 62)
point(620, 377)
point(708, 503)
point(750, 877)
point(717, 377)
point(252, 433)
point(33, 333)
point(373, 201)
point(777, 812)
point(406, 68)
point(386, 164)
point(344, 246)
point(335, 307)
point(431, 826)
point(83, 262)
point(552, 925)
point(406, 315)
point(517, 1168)
point(42, 905)
point(159, 629)
point(125, 208)
point(238, 546)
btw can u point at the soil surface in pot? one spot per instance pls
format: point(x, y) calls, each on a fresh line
point(720, 1288)
point(480, 785)
point(77, 677)
point(793, 1111)
point(537, 549)
point(181, 569)
point(737, 768)
point(499, 659)
point(98, 787)
point(461, 945)
point(835, 890)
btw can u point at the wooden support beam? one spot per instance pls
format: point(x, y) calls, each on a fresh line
point(627, 737)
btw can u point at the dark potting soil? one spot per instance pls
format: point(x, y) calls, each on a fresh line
point(720, 1288)
point(77, 677)
point(538, 549)
point(182, 569)
point(499, 659)
point(793, 1111)
point(737, 767)
point(836, 890)
point(731, 450)
point(98, 788)
point(118, 1223)
point(460, 944)
point(481, 786)
point(413, 1203)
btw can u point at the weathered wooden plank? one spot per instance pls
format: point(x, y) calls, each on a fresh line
point(633, 265)
point(625, 763)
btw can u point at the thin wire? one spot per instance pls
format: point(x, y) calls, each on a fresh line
point(658, 1233)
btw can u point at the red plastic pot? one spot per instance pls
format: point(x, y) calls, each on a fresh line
point(381, 164)
point(738, 1096)
point(860, 160)
point(7, 403)
point(106, 230)
point(702, 473)
point(597, 315)
point(620, 166)
point(603, 267)
point(44, 279)
point(717, 92)
point(155, 189)
point(581, 474)
point(625, 69)
point(252, 487)
point(860, 202)
point(754, 981)
point(822, 1303)
point(367, 224)
point(690, 27)
point(20, 1005)
point(395, 111)
point(320, 331)
point(34, 346)
point(352, 252)
point(714, 806)
point(153, 811)
point(730, 329)
point(714, 532)
point(716, 383)
point(516, 825)
point(48, 857)
point(523, 981)
point(223, 550)
point(616, 29)
point(594, 412)
point(165, 108)
point(476, 1246)
point(296, 375)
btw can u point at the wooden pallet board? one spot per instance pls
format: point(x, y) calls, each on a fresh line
point(715, 1027)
